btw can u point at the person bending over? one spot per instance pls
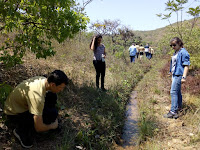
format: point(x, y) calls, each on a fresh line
point(31, 105)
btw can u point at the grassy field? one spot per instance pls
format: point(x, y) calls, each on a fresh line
point(90, 119)
point(93, 120)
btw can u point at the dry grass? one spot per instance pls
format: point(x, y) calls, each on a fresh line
point(90, 119)
point(182, 133)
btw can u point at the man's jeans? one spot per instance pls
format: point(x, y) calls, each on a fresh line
point(147, 54)
point(176, 97)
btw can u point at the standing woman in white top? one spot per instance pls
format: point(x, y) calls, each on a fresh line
point(99, 60)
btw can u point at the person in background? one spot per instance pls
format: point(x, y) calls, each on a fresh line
point(151, 52)
point(132, 52)
point(137, 48)
point(30, 106)
point(179, 68)
point(99, 60)
point(141, 51)
point(146, 50)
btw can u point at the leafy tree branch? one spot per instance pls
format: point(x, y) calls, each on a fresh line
point(32, 24)
point(176, 6)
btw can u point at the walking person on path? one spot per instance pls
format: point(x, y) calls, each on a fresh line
point(179, 68)
point(137, 48)
point(141, 51)
point(132, 52)
point(151, 52)
point(30, 106)
point(146, 50)
point(99, 60)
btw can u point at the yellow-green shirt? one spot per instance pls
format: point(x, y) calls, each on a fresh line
point(137, 47)
point(28, 95)
point(141, 49)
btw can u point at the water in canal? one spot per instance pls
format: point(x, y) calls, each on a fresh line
point(130, 130)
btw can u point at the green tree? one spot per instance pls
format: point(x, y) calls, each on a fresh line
point(122, 40)
point(32, 24)
point(177, 7)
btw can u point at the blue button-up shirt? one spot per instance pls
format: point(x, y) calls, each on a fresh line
point(183, 59)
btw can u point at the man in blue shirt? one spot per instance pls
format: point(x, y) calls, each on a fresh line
point(132, 52)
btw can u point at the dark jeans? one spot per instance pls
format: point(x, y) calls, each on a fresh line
point(132, 59)
point(24, 122)
point(150, 56)
point(147, 54)
point(137, 54)
point(100, 68)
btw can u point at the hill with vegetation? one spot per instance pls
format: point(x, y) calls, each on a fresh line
point(154, 36)
point(92, 119)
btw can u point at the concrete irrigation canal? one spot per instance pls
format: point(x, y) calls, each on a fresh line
point(130, 131)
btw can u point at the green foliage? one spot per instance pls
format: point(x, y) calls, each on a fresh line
point(146, 127)
point(174, 6)
point(195, 62)
point(34, 24)
point(121, 36)
point(86, 138)
point(4, 92)
point(194, 11)
point(190, 39)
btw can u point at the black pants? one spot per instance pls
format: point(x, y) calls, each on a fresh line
point(100, 68)
point(137, 54)
point(24, 122)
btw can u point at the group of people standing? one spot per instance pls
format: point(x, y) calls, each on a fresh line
point(137, 51)
point(31, 105)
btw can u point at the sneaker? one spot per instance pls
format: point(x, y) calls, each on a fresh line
point(25, 142)
point(171, 115)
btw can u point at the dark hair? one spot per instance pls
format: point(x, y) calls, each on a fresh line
point(58, 77)
point(178, 41)
point(96, 41)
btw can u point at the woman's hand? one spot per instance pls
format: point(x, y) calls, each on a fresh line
point(183, 80)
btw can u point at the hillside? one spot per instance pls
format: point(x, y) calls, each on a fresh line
point(92, 119)
point(153, 36)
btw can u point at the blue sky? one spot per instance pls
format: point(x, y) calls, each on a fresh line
point(136, 14)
